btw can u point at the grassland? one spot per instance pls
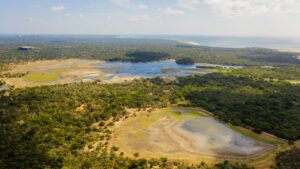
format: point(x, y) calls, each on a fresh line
point(55, 72)
point(47, 76)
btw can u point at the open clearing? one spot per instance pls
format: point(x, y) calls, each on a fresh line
point(51, 72)
point(192, 135)
point(54, 72)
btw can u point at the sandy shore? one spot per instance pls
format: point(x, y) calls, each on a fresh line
point(42, 64)
point(119, 79)
point(190, 43)
point(286, 50)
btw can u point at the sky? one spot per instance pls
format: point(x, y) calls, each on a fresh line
point(266, 18)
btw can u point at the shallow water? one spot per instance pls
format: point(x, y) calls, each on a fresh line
point(216, 135)
point(186, 131)
point(152, 69)
point(108, 71)
point(219, 137)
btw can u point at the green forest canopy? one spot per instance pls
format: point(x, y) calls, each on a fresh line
point(41, 127)
point(110, 48)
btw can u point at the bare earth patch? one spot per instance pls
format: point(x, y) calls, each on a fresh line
point(50, 72)
point(121, 79)
point(80, 108)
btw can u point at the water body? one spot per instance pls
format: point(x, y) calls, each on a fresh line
point(217, 136)
point(84, 70)
point(152, 69)
point(185, 131)
point(221, 139)
point(230, 42)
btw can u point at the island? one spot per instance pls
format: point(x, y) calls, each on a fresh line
point(185, 61)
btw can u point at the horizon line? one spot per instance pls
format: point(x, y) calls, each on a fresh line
point(104, 34)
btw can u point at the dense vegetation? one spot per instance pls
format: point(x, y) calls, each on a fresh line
point(55, 126)
point(42, 127)
point(11, 75)
point(142, 56)
point(185, 61)
point(278, 73)
point(264, 106)
point(289, 159)
point(59, 126)
point(110, 48)
point(2, 82)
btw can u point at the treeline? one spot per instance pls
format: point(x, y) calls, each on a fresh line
point(276, 73)
point(142, 56)
point(12, 75)
point(109, 48)
point(185, 61)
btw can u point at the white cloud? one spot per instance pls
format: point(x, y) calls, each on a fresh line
point(128, 4)
point(109, 18)
point(188, 4)
point(57, 8)
point(142, 6)
point(172, 11)
point(141, 18)
point(123, 3)
point(253, 7)
point(81, 16)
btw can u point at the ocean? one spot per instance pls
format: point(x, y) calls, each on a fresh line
point(292, 44)
point(287, 44)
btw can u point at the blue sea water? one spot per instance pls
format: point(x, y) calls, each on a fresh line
point(228, 42)
point(213, 41)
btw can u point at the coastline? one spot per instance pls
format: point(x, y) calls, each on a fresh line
point(193, 43)
point(289, 50)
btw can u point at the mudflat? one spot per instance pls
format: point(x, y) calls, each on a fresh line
point(55, 72)
point(185, 134)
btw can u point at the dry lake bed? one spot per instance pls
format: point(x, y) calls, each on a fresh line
point(189, 134)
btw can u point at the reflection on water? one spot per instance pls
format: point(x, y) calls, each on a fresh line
point(116, 71)
point(219, 137)
point(152, 69)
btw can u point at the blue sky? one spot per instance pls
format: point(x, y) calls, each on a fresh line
point(278, 18)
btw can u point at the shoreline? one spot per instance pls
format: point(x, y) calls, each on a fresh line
point(289, 50)
point(193, 43)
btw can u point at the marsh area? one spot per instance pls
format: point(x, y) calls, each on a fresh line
point(51, 72)
point(184, 133)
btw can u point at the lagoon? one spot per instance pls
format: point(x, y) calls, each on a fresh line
point(51, 72)
point(154, 69)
